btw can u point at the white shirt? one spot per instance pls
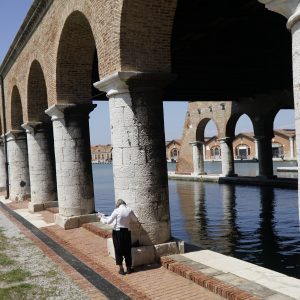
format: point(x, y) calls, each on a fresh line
point(120, 217)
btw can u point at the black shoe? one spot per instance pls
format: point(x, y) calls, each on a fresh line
point(121, 272)
point(130, 270)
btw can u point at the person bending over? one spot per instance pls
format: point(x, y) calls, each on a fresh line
point(121, 235)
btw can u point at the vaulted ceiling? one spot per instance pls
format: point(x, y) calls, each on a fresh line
point(227, 49)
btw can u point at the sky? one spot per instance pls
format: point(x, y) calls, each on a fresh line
point(12, 14)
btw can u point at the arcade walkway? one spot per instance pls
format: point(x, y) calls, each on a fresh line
point(153, 282)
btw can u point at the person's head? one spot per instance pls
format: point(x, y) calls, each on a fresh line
point(120, 202)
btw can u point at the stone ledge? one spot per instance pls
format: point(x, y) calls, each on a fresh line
point(53, 210)
point(224, 284)
point(144, 255)
point(74, 221)
point(35, 207)
point(216, 286)
point(99, 229)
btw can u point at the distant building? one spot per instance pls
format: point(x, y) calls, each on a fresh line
point(101, 154)
point(172, 150)
point(245, 146)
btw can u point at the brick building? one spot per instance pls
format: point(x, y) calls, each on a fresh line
point(245, 147)
point(172, 150)
point(264, 143)
point(101, 154)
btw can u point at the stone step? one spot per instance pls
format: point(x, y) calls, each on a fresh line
point(232, 278)
point(99, 229)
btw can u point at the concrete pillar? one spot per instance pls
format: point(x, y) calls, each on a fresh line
point(227, 156)
point(139, 155)
point(41, 166)
point(18, 165)
point(265, 156)
point(198, 158)
point(2, 167)
point(291, 147)
point(73, 164)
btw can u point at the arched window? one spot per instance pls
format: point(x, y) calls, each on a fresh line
point(174, 154)
point(215, 152)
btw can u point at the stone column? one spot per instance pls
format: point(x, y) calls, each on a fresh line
point(291, 10)
point(2, 167)
point(265, 156)
point(256, 149)
point(291, 147)
point(18, 165)
point(139, 155)
point(227, 156)
point(198, 158)
point(73, 164)
point(41, 166)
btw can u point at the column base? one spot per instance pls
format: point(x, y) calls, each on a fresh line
point(35, 207)
point(229, 175)
point(199, 174)
point(74, 221)
point(21, 198)
point(144, 255)
point(266, 177)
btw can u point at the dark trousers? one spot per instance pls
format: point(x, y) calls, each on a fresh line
point(122, 244)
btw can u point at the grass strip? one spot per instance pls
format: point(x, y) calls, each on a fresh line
point(15, 275)
point(15, 292)
point(5, 260)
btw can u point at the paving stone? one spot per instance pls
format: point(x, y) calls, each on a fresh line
point(211, 271)
point(278, 297)
point(256, 289)
point(231, 279)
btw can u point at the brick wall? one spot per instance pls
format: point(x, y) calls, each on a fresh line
point(127, 35)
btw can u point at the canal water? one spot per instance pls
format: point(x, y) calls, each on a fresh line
point(256, 224)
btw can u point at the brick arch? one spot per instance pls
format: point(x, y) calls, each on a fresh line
point(16, 110)
point(201, 128)
point(37, 99)
point(232, 121)
point(145, 35)
point(76, 60)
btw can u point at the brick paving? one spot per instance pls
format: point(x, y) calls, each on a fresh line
point(152, 282)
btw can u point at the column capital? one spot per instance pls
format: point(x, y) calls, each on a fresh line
point(58, 111)
point(287, 8)
point(196, 143)
point(14, 134)
point(31, 127)
point(123, 82)
point(225, 139)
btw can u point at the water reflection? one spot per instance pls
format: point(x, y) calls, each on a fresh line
point(258, 225)
point(200, 213)
point(231, 229)
point(270, 250)
point(241, 222)
point(219, 232)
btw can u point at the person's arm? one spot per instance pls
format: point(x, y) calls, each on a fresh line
point(110, 219)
